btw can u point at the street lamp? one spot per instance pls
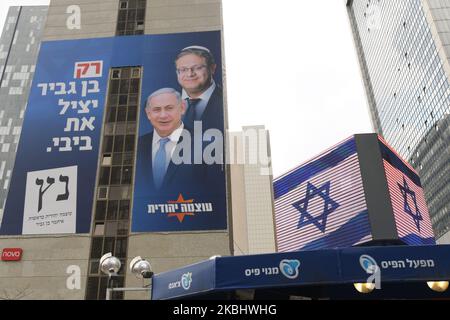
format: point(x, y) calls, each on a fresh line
point(109, 265)
point(364, 287)
point(140, 267)
point(438, 286)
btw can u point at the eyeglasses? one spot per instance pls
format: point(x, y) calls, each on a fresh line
point(193, 69)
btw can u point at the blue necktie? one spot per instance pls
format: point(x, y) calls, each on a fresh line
point(159, 167)
point(191, 113)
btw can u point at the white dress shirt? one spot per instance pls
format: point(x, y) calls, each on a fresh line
point(204, 99)
point(170, 146)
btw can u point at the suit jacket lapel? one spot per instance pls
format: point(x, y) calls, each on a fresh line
point(172, 169)
point(213, 101)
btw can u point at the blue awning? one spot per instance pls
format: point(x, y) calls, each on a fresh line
point(305, 269)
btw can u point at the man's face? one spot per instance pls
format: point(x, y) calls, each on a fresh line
point(165, 112)
point(193, 74)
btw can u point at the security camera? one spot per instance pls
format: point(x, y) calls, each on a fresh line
point(141, 268)
point(109, 264)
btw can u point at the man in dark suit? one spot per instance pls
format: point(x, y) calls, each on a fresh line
point(195, 67)
point(156, 171)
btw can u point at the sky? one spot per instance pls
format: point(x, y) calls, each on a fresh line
point(291, 67)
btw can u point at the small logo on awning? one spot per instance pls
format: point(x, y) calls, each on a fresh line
point(289, 268)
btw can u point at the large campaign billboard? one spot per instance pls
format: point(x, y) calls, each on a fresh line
point(53, 183)
point(321, 204)
point(180, 177)
point(407, 197)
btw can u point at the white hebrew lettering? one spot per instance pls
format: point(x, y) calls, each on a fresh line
point(87, 123)
point(73, 124)
point(88, 145)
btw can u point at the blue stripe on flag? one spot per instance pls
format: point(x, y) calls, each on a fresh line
point(415, 239)
point(347, 235)
point(397, 163)
point(306, 172)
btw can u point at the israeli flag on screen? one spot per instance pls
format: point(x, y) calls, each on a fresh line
point(321, 204)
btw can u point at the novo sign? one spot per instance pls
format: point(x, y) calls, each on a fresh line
point(12, 254)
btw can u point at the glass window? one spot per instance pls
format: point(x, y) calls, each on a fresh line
point(115, 175)
point(124, 209)
point(121, 247)
point(94, 267)
point(109, 245)
point(126, 175)
point(119, 193)
point(108, 129)
point(107, 144)
point(134, 85)
point(122, 114)
point(128, 159)
point(102, 193)
point(102, 288)
point(117, 159)
point(111, 228)
point(126, 74)
point(113, 206)
point(104, 176)
point(96, 249)
point(92, 288)
point(100, 210)
point(132, 113)
point(99, 229)
point(118, 143)
point(111, 114)
point(129, 143)
point(124, 86)
point(123, 99)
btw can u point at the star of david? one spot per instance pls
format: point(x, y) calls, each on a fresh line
point(405, 190)
point(329, 205)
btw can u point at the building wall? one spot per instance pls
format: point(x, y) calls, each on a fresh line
point(166, 252)
point(445, 239)
point(172, 16)
point(252, 192)
point(99, 18)
point(438, 15)
point(403, 54)
point(436, 173)
point(239, 207)
point(44, 270)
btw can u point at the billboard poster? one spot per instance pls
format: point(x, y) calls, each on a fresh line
point(53, 183)
point(180, 177)
point(411, 214)
point(321, 204)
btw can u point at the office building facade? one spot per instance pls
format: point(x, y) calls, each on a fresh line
point(403, 51)
point(19, 48)
point(66, 265)
point(252, 191)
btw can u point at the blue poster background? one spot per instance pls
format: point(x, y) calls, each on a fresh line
point(42, 122)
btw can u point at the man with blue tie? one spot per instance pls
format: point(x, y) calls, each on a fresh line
point(155, 168)
point(195, 68)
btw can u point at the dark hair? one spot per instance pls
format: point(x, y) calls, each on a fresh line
point(198, 52)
